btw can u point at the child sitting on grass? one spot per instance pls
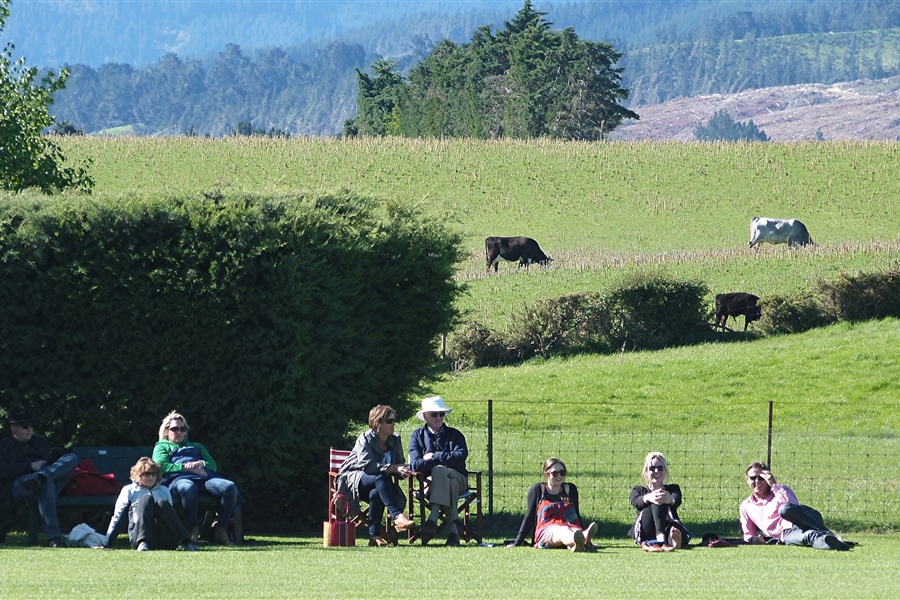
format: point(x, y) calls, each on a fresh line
point(153, 523)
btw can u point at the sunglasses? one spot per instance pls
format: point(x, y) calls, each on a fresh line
point(557, 473)
point(23, 425)
point(755, 478)
point(181, 429)
point(390, 421)
point(656, 468)
point(435, 415)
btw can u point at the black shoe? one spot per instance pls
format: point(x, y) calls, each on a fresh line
point(835, 543)
point(54, 543)
point(35, 483)
point(188, 546)
point(429, 529)
point(453, 539)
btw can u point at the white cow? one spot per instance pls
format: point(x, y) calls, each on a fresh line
point(778, 231)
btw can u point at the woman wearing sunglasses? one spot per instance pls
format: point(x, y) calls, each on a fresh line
point(552, 517)
point(657, 527)
point(368, 473)
point(189, 471)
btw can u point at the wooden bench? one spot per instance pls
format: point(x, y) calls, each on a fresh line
point(118, 460)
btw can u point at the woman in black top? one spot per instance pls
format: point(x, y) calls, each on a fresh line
point(657, 527)
point(553, 519)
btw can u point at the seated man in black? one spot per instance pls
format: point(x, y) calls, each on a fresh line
point(439, 451)
point(26, 471)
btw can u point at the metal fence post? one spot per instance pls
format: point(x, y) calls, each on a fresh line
point(769, 438)
point(490, 458)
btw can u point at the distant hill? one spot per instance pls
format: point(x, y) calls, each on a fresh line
point(856, 110)
point(51, 33)
point(166, 67)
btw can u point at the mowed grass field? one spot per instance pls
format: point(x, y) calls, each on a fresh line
point(291, 567)
point(601, 210)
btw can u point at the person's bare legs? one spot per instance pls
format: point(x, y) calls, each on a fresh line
point(573, 539)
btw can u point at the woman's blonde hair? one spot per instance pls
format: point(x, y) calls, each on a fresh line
point(645, 473)
point(378, 414)
point(145, 465)
point(167, 421)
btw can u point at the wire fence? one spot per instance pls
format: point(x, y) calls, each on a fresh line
point(850, 473)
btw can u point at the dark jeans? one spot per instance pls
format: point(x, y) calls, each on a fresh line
point(382, 492)
point(809, 527)
point(54, 478)
point(187, 490)
point(157, 524)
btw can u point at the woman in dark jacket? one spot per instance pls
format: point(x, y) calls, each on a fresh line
point(657, 527)
point(367, 474)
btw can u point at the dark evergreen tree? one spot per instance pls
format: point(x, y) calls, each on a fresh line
point(723, 128)
point(378, 98)
point(526, 81)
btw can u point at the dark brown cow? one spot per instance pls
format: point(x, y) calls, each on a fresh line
point(522, 249)
point(734, 304)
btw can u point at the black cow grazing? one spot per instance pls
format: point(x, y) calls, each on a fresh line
point(734, 304)
point(522, 249)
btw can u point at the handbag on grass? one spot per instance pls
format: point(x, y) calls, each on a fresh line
point(336, 532)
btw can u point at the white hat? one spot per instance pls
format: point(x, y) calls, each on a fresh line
point(432, 404)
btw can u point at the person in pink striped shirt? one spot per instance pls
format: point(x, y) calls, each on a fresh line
point(772, 514)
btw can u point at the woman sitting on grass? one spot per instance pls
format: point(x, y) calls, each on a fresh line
point(657, 527)
point(553, 518)
point(153, 523)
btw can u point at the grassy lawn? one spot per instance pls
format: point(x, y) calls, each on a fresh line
point(285, 567)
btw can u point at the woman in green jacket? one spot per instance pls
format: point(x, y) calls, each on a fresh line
point(189, 470)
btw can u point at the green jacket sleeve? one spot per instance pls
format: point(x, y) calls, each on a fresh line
point(161, 456)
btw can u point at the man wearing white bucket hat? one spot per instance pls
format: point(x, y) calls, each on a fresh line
point(440, 451)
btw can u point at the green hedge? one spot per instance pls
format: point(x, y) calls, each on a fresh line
point(271, 323)
point(652, 310)
point(644, 311)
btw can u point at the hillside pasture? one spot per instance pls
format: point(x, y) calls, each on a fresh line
point(623, 197)
point(599, 209)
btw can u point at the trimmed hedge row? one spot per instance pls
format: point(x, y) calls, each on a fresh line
point(271, 323)
point(848, 298)
point(653, 311)
point(643, 312)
